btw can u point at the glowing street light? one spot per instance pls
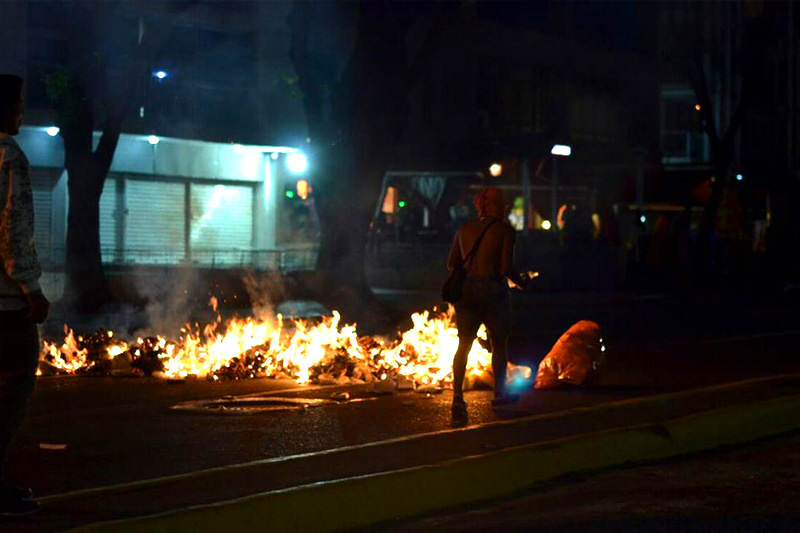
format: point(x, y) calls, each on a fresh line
point(297, 162)
point(697, 107)
point(495, 169)
point(52, 131)
point(546, 225)
point(739, 177)
point(152, 139)
point(564, 150)
point(160, 74)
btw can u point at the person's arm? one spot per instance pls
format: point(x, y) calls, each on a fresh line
point(17, 248)
point(507, 261)
point(454, 258)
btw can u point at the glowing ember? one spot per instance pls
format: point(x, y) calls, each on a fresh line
point(325, 351)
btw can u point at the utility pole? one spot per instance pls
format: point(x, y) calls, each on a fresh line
point(526, 194)
point(790, 91)
point(554, 194)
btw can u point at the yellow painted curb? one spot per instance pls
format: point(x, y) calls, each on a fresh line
point(364, 500)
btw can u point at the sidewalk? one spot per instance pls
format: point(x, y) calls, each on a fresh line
point(359, 485)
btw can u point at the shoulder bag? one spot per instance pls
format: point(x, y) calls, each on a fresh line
point(453, 288)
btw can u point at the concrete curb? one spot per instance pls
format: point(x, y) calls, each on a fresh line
point(364, 500)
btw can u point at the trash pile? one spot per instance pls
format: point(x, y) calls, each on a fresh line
point(322, 351)
point(575, 358)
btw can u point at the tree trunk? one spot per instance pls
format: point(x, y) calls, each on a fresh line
point(345, 209)
point(87, 284)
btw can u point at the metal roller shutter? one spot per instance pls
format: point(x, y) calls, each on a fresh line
point(221, 224)
point(108, 220)
point(154, 225)
point(42, 183)
point(42, 219)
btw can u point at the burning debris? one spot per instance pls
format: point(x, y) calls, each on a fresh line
point(324, 352)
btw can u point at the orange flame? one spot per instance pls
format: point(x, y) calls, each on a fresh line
point(296, 349)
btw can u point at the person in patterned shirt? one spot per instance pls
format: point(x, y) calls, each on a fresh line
point(22, 304)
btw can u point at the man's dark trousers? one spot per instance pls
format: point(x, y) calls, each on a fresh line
point(19, 355)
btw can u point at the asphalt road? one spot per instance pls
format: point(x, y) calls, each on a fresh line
point(122, 429)
point(753, 488)
point(118, 430)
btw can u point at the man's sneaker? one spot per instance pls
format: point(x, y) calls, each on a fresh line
point(13, 505)
point(459, 405)
point(505, 399)
point(23, 493)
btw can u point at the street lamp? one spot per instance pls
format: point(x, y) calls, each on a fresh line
point(297, 162)
point(160, 74)
point(562, 150)
point(52, 131)
point(495, 169)
point(152, 139)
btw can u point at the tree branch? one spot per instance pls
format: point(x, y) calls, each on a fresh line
point(421, 62)
point(299, 21)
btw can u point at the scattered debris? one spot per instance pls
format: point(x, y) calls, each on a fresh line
point(51, 446)
point(383, 387)
point(404, 383)
point(429, 389)
point(317, 348)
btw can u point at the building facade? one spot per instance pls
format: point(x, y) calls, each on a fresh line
point(170, 201)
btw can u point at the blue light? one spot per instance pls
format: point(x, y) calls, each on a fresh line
point(519, 383)
point(739, 177)
point(160, 74)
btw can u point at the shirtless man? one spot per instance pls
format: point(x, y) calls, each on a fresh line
point(485, 297)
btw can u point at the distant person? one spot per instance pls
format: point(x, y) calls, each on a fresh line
point(485, 298)
point(22, 304)
point(459, 213)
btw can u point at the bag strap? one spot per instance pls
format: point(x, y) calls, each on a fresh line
point(475, 246)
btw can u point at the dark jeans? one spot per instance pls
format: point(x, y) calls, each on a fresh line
point(19, 356)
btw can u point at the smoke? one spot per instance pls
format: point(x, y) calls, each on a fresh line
point(264, 291)
point(172, 299)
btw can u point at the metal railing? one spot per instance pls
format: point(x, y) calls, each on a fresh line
point(289, 259)
point(683, 147)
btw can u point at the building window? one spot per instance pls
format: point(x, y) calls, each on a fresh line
point(682, 140)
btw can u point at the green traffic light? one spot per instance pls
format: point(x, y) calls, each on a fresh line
point(289, 194)
point(401, 203)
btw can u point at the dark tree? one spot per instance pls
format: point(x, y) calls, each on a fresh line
point(698, 53)
point(356, 115)
point(86, 95)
